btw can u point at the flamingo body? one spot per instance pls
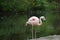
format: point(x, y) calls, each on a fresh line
point(33, 20)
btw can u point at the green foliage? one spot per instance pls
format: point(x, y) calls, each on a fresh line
point(16, 5)
point(13, 25)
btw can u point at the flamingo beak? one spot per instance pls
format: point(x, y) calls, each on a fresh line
point(44, 19)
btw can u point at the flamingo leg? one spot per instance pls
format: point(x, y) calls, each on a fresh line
point(32, 31)
point(35, 34)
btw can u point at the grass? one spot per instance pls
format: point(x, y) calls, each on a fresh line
point(14, 26)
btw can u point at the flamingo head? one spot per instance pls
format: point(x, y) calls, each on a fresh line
point(42, 18)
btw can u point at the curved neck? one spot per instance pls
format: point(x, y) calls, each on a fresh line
point(40, 21)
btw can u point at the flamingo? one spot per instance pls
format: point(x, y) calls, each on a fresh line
point(35, 21)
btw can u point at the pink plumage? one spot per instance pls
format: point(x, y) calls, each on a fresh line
point(35, 20)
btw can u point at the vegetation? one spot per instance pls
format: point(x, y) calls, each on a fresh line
point(14, 14)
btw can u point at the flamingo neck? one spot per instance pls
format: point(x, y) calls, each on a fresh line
point(40, 22)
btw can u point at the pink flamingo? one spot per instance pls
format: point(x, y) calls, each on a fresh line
point(35, 21)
